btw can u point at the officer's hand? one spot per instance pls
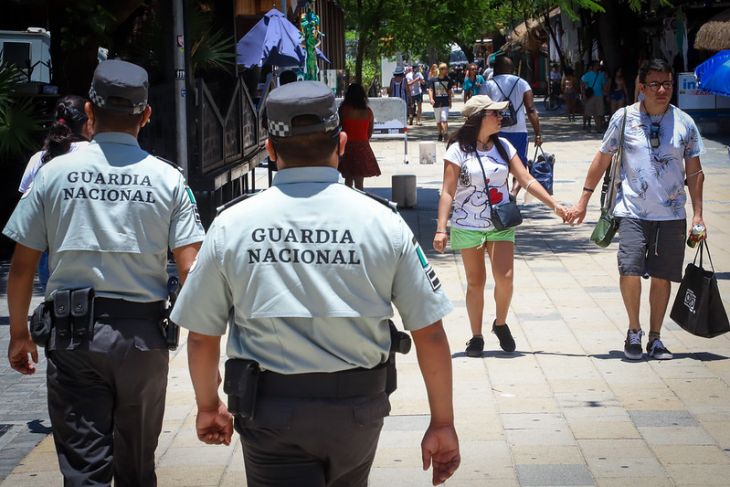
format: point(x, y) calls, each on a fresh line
point(18, 351)
point(439, 242)
point(440, 447)
point(215, 427)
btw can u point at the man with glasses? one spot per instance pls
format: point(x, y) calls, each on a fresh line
point(661, 154)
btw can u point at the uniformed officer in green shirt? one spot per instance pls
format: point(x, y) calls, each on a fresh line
point(107, 213)
point(305, 273)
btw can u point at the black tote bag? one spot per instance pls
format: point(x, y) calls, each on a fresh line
point(698, 307)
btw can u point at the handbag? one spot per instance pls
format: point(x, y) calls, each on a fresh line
point(506, 215)
point(541, 168)
point(698, 307)
point(607, 224)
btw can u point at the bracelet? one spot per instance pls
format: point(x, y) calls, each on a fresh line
point(530, 184)
point(589, 190)
point(538, 136)
point(440, 231)
point(695, 174)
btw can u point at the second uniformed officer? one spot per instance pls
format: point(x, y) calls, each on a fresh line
point(107, 213)
point(308, 270)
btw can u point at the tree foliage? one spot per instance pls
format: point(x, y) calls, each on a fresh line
point(421, 27)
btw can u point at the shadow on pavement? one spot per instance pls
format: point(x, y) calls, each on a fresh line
point(492, 354)
point(611, 355)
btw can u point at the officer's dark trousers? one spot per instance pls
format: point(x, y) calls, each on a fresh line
point(312, 443)
point(106, 401)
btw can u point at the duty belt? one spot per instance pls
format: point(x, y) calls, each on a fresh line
point(318, 385)
point(120, 308)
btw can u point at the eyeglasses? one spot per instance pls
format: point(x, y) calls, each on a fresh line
point(654, 85)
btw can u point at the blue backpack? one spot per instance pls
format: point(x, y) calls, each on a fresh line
point(542, 168)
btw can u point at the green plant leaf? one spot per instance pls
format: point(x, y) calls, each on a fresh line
point(18, 127)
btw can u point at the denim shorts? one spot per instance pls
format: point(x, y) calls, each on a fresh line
point(470, 239)
point(651, 248)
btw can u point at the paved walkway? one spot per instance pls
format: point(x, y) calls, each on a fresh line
point(565, 409)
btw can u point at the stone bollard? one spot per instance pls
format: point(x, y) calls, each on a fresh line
point(427, 152)
point(404, 190)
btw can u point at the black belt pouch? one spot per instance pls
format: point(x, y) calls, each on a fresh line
point(62, 313)
point(41, 324)
point(241, 384)
point(82, 312)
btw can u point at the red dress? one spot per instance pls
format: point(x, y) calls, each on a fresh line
point(358, 160)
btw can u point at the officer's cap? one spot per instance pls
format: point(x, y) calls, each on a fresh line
point(293, 100)
point(121, 81)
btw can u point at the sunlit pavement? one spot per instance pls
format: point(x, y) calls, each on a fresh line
point(564, 409)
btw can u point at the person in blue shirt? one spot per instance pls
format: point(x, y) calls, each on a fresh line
point(593, 88)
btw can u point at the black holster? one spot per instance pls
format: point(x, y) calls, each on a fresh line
point(41, 324)
point(169, 329)
point(241, 383)
point(400, 342)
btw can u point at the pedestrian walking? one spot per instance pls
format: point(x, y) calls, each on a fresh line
point(662, 148)
point(398, 87)
point(433, 72)
point(358, 162)
point(618, 94)
point(107, 213)
point(416, 83)
point(440, 93)
point(593, 85)
point(308, 269)
point(472, 82)
point(69, 131)
point(569, 88)
point(505, 86)
point(476, 169)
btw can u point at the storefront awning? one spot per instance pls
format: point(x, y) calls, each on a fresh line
point(714, 35)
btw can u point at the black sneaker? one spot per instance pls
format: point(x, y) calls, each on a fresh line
point(475, 347)
point(656, 349)
point(505, 337)
point(632, 345)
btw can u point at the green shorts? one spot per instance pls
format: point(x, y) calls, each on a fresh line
point(469, 239)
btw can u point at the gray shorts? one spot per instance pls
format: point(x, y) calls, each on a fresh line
point(651, 248)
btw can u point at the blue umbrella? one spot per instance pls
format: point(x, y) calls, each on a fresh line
point(273, 40)
point(714, 74)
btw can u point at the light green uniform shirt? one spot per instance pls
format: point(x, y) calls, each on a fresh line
point(307, 271)
point(107, 214)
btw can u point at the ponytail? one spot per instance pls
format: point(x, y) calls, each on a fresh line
point(70, 119)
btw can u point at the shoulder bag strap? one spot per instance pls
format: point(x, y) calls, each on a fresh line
point(615, 170)
point(484, 174)
point(503, 154)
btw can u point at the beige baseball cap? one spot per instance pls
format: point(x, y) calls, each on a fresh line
point(477, 103)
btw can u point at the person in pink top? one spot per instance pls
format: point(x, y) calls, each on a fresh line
point(358, 162)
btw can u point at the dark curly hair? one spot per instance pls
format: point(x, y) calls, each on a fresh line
point(67, 127)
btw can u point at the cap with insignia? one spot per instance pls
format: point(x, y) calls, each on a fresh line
point(293, 100)
point(119, 86)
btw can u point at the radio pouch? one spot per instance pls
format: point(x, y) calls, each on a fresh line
point(41, 324)
point(62, 313)
point(82, 312)
point(241, 384)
